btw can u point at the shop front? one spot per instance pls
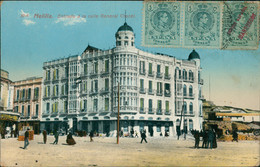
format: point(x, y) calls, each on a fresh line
point(9, 124)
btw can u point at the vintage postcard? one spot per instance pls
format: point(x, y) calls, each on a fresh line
point(129, 83)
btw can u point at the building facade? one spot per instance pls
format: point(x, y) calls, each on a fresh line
point(27, 101)
point(8, 118)
point(156, 92)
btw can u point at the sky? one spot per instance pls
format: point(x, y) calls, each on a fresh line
point(27, 41)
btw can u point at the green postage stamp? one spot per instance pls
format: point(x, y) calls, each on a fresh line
point(219, 25)
point(240, 26)
point(161, 25)
point(202, 25)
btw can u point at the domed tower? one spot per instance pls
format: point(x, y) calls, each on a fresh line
point(195, 57)
point(125, 36)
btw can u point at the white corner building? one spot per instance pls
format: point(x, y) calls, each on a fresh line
point(81, 92)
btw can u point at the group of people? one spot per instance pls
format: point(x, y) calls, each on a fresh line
point(209, 138)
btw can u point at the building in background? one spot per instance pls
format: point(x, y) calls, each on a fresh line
point(158, 93)
point(27, 102)
point(8, 118)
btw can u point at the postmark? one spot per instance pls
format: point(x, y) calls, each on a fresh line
point(240, 26)
point(202, 25)
point(161, 26)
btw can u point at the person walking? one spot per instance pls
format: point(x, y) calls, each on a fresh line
point(143, 136)
point(234, 135)
point(136, 134)
point(26, 138)
point(56, 135)
point(44, 133)
point(197, 138)
point(70, 140)
point(91, 135)
point(205, 139)
point(210, 138)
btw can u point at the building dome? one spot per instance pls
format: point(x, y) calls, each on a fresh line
point(125, 27)
point(193, 55)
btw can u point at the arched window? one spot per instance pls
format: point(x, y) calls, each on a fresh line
point(185, 107)
point(190, 124)
point(179, 74)
point(184, 90)
point(190, 91)
point(191, 108)
point(126, 37)
point(190, 75)
point(184, 74)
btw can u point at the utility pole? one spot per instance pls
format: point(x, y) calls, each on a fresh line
point(118, 115)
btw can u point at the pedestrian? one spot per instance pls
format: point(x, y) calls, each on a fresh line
point(44, 133)
point(210, 138)
point(235, 135)
point(132, 132)
point(70, 140)
point(136, 134)
point(205, 139)
point(56, 135)
point(91, 135)
point(121, 133)
point(26, 138)
point(197, 138)
point(166, 134)
point(215, 140)
point(143, 136)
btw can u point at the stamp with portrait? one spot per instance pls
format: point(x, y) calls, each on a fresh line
point(202, 25)
point(240, 25)
point(161, 24)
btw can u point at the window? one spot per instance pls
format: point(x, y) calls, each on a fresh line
point(126, 43)
point(29, 94)
point(17, 94)
point(141, 84)
point(159, 88)
point(191, 108)
point(23, 93)
point(150, 68)
point(36, 93)
point(119, 43)
point(106, 84)
point(22, 110)
point(65, 106)
point(96, 67)
point(106, 65)
point(142, 67)
point(132, 43)
point(28, 110)
point(150, 86)
point(48, 75)
point(126, 37)
point(158, 128)
point(54, 74)
point(190, 91)
point(57, 90)
point(95, 105)
point(190, 75)
point(184, 90)
point(47, 107)
point(85, 105)
point(179, 73)
point(85, 68)
point(141, 104)
point(158, 69)
point(167, 89)
point(190, 124)
point(106, 104)
point(185, 107)
point(184, 74)
point(167, 106)
point(159, 106)
point(16, 109)
point(96, 85)
point(37, 110)
point(166, 71)
point(150, 105)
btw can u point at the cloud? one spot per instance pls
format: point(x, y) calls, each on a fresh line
point(28, 22)
point(70, 21)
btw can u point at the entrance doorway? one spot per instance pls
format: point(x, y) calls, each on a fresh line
point(95, 126)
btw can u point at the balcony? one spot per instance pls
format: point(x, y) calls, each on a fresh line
point(93, 92)
point(142, 91)
point(201, 81)
point(62, 113)
point(142, 111)
point(151, 110)
point(93, 74)
point(168, 77)
point(45, 114)
point(35, 98)
point(159, 111)
point(151, 74)
point(47, 81)
point(35, 117)
point(167, 93)
point(55, 96)
point(159, 75)
point(104, 73)
point(63, 95)
point(104, 91)
point(151, 91)
point(45, 97)
point(191, 80)
point(188, 96)
point(142, 72)
point(167, 112)
point(159, 93)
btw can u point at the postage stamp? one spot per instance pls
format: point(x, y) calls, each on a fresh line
point(202, 25)
point(161, 26)
point(240, 26)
